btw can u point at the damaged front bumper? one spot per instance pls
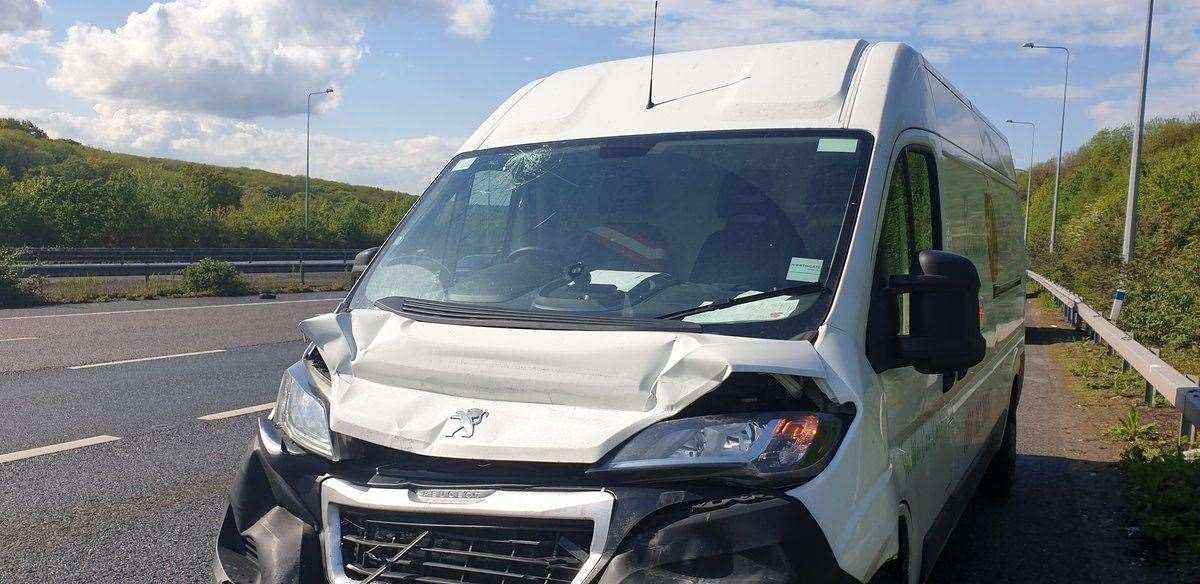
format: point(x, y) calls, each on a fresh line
point(296, 518)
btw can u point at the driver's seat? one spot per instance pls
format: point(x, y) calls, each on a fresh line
point(624, 241)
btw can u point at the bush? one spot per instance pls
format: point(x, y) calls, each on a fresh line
point(213, 278)
point(15, 288)
point(1163, 488)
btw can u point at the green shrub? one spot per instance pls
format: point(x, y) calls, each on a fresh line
point(213, 278)
point(1163, 489)
point(17, 289)
point(1100, 372)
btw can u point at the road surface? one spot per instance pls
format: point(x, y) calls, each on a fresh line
point(139, 497)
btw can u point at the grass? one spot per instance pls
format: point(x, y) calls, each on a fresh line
point(1162, 477)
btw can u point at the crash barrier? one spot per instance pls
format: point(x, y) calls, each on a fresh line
point(1162, 379)
point(64, 262)
point(121, 255)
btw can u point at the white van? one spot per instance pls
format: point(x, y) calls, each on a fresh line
point(767, 327)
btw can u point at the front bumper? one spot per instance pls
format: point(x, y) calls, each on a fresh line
point(282, 524)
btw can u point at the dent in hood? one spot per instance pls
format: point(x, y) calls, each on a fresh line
point(556, 396)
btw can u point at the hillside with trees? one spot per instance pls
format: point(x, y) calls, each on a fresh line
point(58, 192)
point(1164, 280)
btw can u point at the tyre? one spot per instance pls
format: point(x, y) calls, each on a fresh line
point(1002, 471)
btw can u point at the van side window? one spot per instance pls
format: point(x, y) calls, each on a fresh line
point(910, 223)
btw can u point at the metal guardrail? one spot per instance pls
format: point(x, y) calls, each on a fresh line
point(161, 268)
point(1178, 389)
point(117, 255)
point(57, 262)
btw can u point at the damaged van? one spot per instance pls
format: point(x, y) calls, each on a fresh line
point(766, 326)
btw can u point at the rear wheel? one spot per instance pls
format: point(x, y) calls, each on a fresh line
point(1002, 471)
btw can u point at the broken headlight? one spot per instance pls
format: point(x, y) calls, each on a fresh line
point(301, 414)
point(774, 448)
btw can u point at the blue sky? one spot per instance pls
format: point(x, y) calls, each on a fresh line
point(223, 81)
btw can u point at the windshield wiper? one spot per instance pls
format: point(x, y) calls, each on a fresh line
point(800, 290)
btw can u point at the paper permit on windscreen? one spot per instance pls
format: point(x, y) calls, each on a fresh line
point(766, 309)
point(624, 281)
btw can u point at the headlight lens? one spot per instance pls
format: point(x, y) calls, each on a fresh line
point(784, 447)
point(301, 415)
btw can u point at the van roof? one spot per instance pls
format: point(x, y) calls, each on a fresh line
point(805, 84)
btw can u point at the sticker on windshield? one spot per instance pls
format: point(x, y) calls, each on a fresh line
point(463, 164)
point(848, 145)
point(805, 270)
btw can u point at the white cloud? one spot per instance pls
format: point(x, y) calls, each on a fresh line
point(20, 25)
point(1055, 92)
point(937, 55)
point(1172, 102)
point(233, 58)
point(707, 23)
point(692, 24)
point(469, 18)
point(187, 78)
point(406, 164)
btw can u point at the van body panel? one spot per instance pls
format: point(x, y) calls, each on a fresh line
point(785, 85)
point(553, 396)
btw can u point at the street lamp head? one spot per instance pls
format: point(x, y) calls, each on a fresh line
point(1027, 46)
point(329, 90)
point(1008, 121)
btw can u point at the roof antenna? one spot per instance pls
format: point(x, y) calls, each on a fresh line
point(653, 41)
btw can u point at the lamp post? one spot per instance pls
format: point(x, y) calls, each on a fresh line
point(1028, 171)
point(307, 130)
point(1061, 126)
point(1135, 155)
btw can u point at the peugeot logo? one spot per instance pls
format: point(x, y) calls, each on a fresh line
point(464, 420)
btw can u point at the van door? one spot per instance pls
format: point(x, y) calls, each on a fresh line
point(917, 429)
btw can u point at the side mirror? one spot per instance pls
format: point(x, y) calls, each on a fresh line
point(361, 261)
point(944, 326)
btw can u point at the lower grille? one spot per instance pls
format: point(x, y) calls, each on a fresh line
point(461, 549)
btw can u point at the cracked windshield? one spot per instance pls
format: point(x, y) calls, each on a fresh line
point(636, 228)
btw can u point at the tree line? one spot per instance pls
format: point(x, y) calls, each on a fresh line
point(62, 193)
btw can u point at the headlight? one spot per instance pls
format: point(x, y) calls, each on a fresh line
point(776, 448)
point(301, 414)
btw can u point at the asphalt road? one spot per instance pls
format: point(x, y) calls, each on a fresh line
point(145, 507)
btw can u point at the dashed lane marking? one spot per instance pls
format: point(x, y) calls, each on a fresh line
point(18, 339)
point(107, 363)
point(53, 448)
point(237, 412)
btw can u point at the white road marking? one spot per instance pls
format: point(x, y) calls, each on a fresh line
point(18, 339)
point(107, 363)
point(51, 449)
point(237, 412)
point(267, 303)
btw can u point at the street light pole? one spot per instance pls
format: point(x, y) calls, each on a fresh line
point(1028, 171)
point(307, 129)
point(1135, 155)
point(1062, 123)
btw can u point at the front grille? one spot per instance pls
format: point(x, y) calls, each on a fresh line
point(460, 549)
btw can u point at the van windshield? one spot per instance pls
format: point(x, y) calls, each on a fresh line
point(637, 228)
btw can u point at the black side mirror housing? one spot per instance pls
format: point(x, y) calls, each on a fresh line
point(361, 261)
point(944, 324)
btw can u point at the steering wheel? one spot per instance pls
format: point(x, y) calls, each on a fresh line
point(527, 250)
